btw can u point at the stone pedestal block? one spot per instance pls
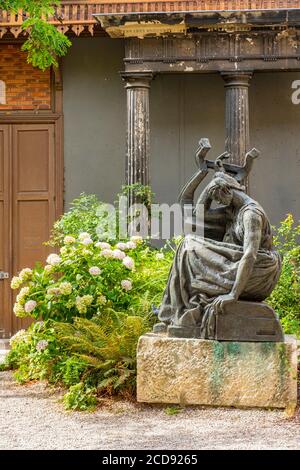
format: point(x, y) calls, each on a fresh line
point(205, 372)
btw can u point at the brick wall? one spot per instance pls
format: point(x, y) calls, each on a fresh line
point(22, 86)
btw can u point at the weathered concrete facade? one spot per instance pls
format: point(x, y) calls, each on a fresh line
point(183, 108)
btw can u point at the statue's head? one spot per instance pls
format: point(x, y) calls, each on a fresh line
point(222, 188)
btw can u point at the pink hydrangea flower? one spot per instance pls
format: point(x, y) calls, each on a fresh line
point(103, 245)
point(131, 245)
point(87, 241)
point(121, 246)
point(30, 305)
point(118, 254)
point(95, 271)
point(128, 262)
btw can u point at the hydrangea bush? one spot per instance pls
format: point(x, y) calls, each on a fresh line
point(87, 277)
point(91, 301)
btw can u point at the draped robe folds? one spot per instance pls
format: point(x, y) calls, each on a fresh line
point(204, 269)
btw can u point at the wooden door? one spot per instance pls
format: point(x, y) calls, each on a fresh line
point(5, 235)
point(29, 201)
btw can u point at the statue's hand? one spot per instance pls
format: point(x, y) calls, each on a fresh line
point(220, 302)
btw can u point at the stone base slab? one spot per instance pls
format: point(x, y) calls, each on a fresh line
point(204, 372)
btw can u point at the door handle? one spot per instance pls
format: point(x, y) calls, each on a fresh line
point(3, 275)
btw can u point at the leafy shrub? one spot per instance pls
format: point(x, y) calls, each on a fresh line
point(34, 352)
point(80, 398)
point(89, 214)
point(88, 357)
point(82, 217)
point(95, 300)
point(89, 277)
point(285, 299)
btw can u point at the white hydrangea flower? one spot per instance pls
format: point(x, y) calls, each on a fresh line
point(128, 262)
point(22, 294)
point(53, 259)
point(101, 300)
point(48, 269)
point(30, 306)
point(84, 235)
point(103, 245)
point(126, 284)
point(94, 271)
point(83, 302)
point(16, 282)
point(25, 274)
point(118, 254)
point(65, 288)
point(18, 337)
point(121, 246)
point(159, 256)
point(68, 240)
point(64, 250)
point(87, 241)
point(107, 253)
point(130, 245)
point(19, 310)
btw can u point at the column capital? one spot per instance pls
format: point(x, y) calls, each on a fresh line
point(236, 79)
point(137, 79)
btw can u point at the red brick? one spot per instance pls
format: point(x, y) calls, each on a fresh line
point(26, 87)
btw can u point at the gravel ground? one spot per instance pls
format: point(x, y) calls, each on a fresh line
point(31, 417)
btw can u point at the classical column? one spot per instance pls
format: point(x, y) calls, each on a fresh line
point(137, 85)
point(237, 114)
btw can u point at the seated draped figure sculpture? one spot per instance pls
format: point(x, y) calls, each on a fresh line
point(217, 282)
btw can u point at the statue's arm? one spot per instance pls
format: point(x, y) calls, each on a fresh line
point(204, 198)
point(252, 238)
point(186, 195)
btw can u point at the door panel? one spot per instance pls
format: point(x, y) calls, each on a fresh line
point(5, 239)
point(33, 184)
point(33, 147)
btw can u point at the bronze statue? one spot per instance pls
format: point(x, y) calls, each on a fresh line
point(217, 283)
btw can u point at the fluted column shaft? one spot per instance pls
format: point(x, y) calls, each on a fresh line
point(138, 128)
point(237, 115)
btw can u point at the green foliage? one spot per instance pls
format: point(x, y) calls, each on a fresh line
point(88, 279)
point(285, 299)
point(33, 353)
point(89, 357)
point(80, 398)
point(44, 43)
point(88, 276)
point(139, 192)
point(173, 410)
point(94, 308)
point(107, 344)
point(82, 217)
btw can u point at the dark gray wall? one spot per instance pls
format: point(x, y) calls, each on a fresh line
point(183, 108)
point(94, 118)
